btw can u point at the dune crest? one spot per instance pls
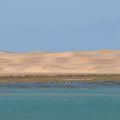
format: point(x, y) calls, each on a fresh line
point(102, 61)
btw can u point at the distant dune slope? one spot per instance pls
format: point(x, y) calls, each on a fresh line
point(103, 61)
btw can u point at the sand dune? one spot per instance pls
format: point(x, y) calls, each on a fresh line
point(102, 61)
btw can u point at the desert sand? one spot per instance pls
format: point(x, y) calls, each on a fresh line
point(101, 61)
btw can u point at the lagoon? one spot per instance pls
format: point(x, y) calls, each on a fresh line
point(83, 101)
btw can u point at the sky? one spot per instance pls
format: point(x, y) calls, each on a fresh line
point(59, 25)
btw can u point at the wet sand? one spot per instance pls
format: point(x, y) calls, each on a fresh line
point(46, 78)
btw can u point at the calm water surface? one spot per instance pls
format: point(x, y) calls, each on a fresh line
point(76, 101)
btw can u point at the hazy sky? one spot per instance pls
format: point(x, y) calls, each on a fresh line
point(59, 25)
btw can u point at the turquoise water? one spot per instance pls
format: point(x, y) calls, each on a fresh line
point(84, 102)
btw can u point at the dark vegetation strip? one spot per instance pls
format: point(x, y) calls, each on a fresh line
point(59, 78)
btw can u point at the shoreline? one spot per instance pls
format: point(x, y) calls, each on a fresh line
point(52, 77)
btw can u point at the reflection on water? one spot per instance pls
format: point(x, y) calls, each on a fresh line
point(55, 101)
point(99, 86)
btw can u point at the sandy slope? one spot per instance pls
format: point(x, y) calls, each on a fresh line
point(104, 61)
